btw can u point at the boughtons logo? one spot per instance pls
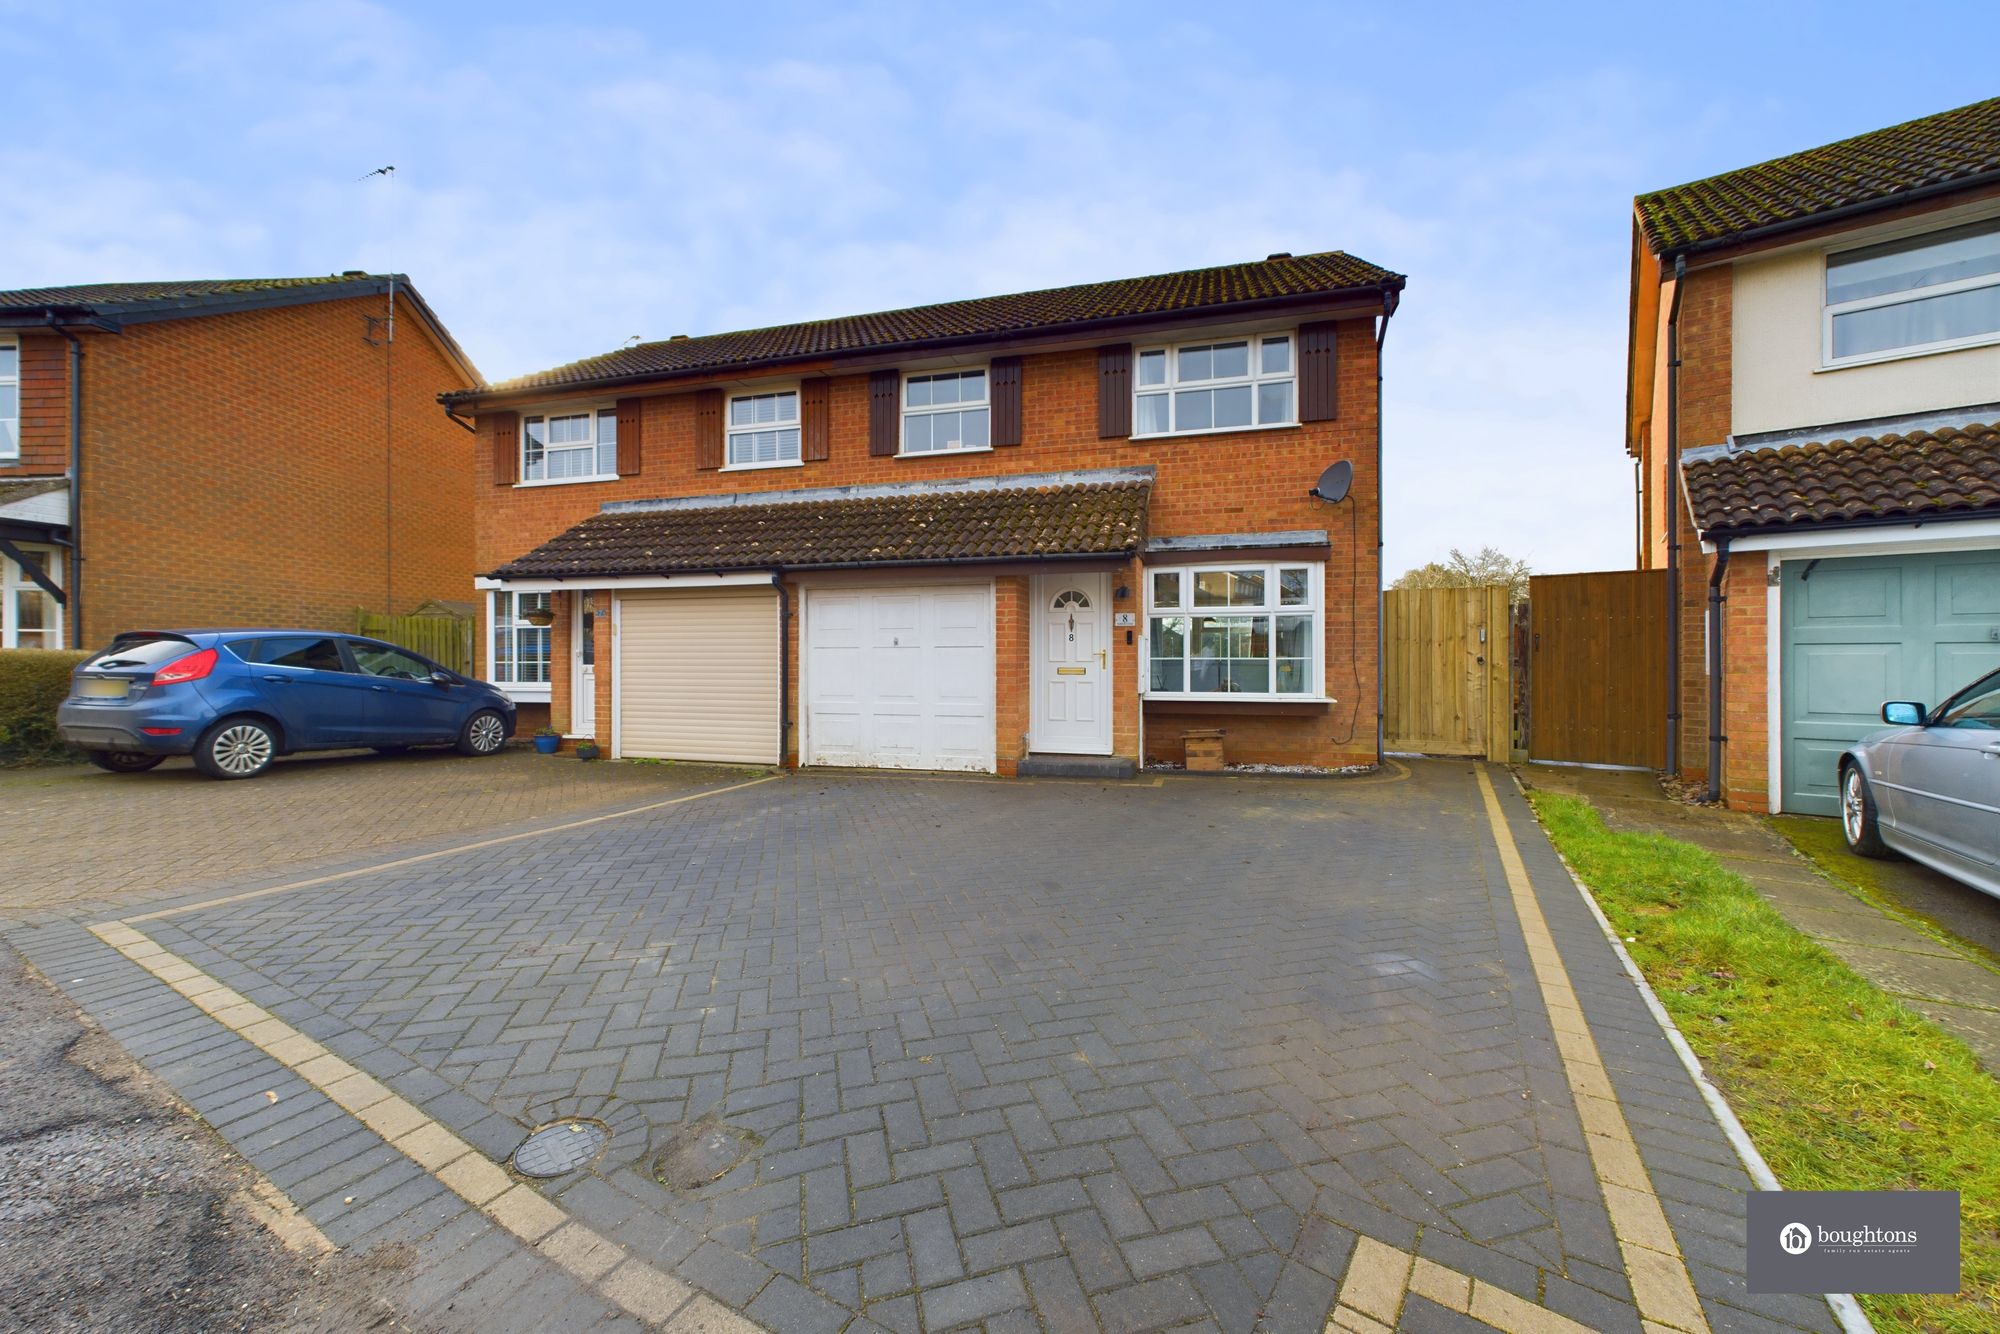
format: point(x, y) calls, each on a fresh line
point(1796, 1238)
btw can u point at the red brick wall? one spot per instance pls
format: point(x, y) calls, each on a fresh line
point(1705, 391)
point(1746, 755)
point(1233, 482)
point(44, 407)
point(237, 471)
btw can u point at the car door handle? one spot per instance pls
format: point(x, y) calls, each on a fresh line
point(383, 689)
point(277, 680)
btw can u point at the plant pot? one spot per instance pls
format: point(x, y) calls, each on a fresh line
point(586, 750)
point(547, 745)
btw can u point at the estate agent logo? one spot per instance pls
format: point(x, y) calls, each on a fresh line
point(1852, 1241)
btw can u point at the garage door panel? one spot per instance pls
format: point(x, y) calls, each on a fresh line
point(698, 675)
point(1844, 682)
point(1959, 665)
point(1836, 596)
point(1814, 761)
point(917, 694)
point(1970, 592)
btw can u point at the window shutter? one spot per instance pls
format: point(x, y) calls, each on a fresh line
point(1114, 391)
point(506, 448)
point(708, 428)
point(631, 412)
point(884, 418)
point(1004, 386)
point(1319, 381)
point(815, 431)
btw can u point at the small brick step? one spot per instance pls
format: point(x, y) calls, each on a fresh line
point(1076, 766)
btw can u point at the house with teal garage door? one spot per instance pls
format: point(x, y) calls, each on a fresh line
point(1813, 400)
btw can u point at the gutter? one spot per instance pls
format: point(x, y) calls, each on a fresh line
point(1675, 500)
point(599, 576)
point(1832, 215)
point(1716, 736)
point(1722, 536)
point(463, 423)
point(1390, 300)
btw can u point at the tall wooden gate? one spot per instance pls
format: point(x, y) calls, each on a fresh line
point(1448, 690)
point(1597, 676)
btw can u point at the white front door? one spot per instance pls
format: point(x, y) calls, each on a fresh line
point(583, 667)
point(1072, 665)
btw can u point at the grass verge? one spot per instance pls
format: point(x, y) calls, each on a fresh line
point(1839, 1085)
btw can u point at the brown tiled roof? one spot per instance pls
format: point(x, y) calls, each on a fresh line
point(103, 295)
point(1952, 470)
point(1012, 519)
point(1055, 308)
point(1870, 168)
point(27, 488)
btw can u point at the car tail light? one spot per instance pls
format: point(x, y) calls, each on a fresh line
point(191, 668)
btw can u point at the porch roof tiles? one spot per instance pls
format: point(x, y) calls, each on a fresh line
point(1918, 474)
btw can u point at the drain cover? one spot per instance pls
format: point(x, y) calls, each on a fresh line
point(701, 1152)
point(560, 1147)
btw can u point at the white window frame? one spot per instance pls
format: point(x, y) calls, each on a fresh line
point(597, 412)
point(503, 618)
point(14, 580)
point(1830, 309)
point(1255, 380)
point(10, 427)
point(730, 431)
point(983, 404)
point(1313, 607)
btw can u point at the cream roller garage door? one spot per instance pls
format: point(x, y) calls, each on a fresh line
point(698, 675)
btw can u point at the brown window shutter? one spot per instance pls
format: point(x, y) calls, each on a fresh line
point(1004, 390)
point(631, 412)
point(506, 448)
point(708, 428)
point(815, 431)
point(885, 420)
point(1114, 391)
point(1319, 380)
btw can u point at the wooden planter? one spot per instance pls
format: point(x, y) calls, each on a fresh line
point(1204, 750)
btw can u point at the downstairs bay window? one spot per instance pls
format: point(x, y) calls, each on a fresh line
point(1235, 631)
point(519, 651)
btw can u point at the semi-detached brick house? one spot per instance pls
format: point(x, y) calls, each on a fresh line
point(1056, 529)
point(262, 451)
point(1814, 402)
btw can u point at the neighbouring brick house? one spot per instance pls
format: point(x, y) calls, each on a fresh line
point(1829, 440)
point(1052, 531)
point(233, 452)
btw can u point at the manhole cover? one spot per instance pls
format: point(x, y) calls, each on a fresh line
point(560, 1147)
point(699, 1153)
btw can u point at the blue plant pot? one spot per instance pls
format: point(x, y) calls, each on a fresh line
point(547, 744)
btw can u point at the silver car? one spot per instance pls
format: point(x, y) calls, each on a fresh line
point(1929, 787)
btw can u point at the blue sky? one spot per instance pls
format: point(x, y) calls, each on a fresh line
point(569, 176)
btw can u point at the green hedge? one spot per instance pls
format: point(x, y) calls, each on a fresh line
point(33, 681)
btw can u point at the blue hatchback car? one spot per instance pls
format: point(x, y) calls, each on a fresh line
point(237, 699)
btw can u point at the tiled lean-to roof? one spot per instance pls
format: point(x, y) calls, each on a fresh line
point(1920, 474)
point(990, 519)
point(1278, 278)
point(1876, 167)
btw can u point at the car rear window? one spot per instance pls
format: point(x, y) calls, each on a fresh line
point(144, 652)
point(313, 652)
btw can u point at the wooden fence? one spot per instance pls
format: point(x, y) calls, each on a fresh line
point(1449, 683)
point(1598, 668)
point(443, 639)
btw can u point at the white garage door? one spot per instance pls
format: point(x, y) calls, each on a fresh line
point(900, 678)
point(698, 675)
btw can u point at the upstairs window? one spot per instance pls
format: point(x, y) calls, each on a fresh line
point(10, 399)
point(1923, 294)
point(764, 429)
point(943, 412)
point(1221, 386)
point(1234, 630)
point(570, 446)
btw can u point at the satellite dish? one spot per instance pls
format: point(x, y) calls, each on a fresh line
point(1333, 484)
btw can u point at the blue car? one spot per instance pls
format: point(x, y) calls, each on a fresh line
point(237, 699)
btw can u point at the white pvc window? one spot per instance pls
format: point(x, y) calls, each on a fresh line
point(1923, 294)
point(1230, 385)
point(764, 429)
point(580, 446)
point(29, 617)
point(944, 412)
point(1234, 631)
point(520, 648)
point(10, 398)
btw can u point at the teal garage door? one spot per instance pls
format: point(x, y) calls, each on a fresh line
point(1861, 630)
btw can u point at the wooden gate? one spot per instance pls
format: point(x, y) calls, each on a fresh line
point(1448, 690)
point(1597, 676)
point(444, 639)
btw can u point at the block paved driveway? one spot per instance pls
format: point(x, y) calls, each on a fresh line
point(1028, 1055)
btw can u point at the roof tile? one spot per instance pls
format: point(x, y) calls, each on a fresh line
point(1952, 470)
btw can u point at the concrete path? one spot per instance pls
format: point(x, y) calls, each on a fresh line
point(1954, 985)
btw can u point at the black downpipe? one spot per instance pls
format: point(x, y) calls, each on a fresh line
point(1673, 513)
point(1389, 303)
point(784, 667)
point(74, 609)
point(1716, 736)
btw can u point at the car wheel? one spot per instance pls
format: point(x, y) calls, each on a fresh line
point(124, 761)
point(236, 748)
point(483, 734)
point(1857, 814)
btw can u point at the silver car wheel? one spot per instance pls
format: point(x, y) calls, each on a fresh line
point(487, 733)
point(242, 750)
point(1852, 812)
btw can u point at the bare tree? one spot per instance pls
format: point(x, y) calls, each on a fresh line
point(1459, 570)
